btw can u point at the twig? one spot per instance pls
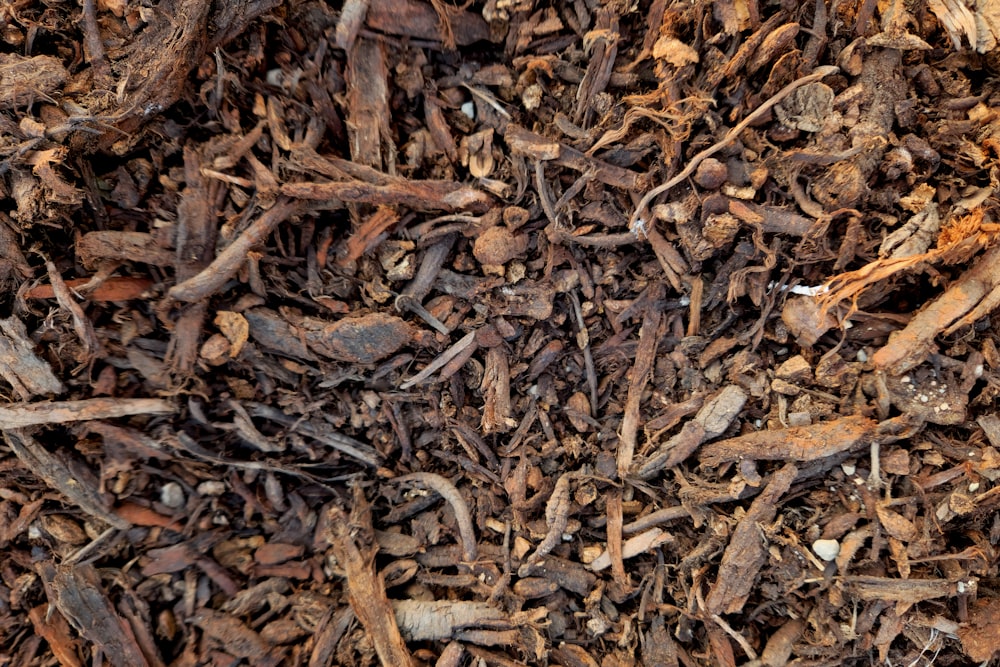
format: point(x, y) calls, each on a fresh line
point(463, 517)
point(636, 223)
point(19, 415)
point(413, 294)
point(740, 639)
point(441, 361)
point(229, 261)
point(95, 47)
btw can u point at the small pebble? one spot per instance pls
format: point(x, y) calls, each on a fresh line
point(973, 487)
point(469, 109)
point(826, 549)
point(848, 469)
point(172, 495)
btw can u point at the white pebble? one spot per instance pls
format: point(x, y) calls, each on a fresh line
point(862, 356)
point(905, 379)
point(923, 398)
point(945, 406)
point(973, 487)
point(469, 109)
point(848, 469)
point(826, 549)
point(172, 495)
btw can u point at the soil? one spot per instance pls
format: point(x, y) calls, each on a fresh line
point(503, 333)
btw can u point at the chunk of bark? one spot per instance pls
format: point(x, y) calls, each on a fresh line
point(24, 81)
point(801, 443)
point(76, 591)
point(973, 295)
point(76, 483)
point(440, 620)
point(746, 552)
point(27, 374)
point(712, 420)
point(418, 20)
point(365, 588)
point(368, 102)
point(360, 340)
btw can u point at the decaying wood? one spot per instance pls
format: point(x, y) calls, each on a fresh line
point(414, 194)
point(422, 620)
point(20, 366)
point(711, 421)
point(78, 485)
point(746, 552)
point(802, 443)
point(974, 295)
point(638, 377)
point(76, 591)
point(20, 415)
point(365, 587)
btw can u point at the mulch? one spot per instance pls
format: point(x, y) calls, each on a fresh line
point(502, 333)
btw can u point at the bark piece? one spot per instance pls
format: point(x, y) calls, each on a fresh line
point(365, 589)
point(496, 393)
point(746, 552)
point(416, 194)
point(94, 247)
point(908, 591)
point(438, 620)
point(359, 340)
point(20, 366)
point(367, 102)
point(975, 294)
point(649, 334)
point(803, 443)
point(27, 80)
point(76, 591)
point(979, 636)
point(19, 415)
point(420, 21)
point(711, 421)
point(76, 483)
point(234, 637)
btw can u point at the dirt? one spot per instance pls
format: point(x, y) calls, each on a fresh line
point(506, 333)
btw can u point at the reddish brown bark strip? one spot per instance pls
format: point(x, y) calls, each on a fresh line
point(746, 552)
point(803, 443)
point(365, 588)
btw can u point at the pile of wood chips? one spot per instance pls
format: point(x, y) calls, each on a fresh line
point(501, 333)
